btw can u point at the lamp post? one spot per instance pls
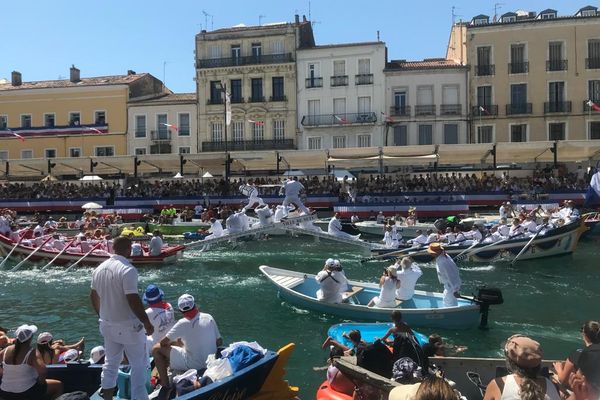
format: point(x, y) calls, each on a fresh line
point(222, 87)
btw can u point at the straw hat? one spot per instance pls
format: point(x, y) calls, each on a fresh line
point(435, 248)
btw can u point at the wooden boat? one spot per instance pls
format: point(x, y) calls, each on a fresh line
point(424, 310)
point(555, 242)
point(407, 231)
point(178, 227)
point(168, 255)
point(368, 332)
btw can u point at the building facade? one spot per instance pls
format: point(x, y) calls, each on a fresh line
point(532, 75)
point(256, 66)
point(76, 117)
point(166, 124)
point(426, 102)
point(340, 95)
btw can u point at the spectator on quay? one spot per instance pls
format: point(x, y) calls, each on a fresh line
point(590, 334)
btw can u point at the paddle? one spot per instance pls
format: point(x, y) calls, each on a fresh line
point(527, 245)
point(459, 257)
point(16, 267)
point(13, 249)
point(391, 254)
point(58, 255)
point(84, 256)
point(492, 244)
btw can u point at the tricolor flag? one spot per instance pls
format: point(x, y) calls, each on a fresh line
point(227, 108)
point(592, 197)
point(258, 123)
point(174, 127)
point(386, 117)
point(21, 138)
point(95, 130)
point(593, 105)
point(341, 120)
point(483, 110)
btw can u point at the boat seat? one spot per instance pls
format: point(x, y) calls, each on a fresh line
point(398, 303)
point(288, 281)
point(355, 290)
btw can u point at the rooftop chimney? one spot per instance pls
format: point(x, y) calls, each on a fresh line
point(304, 18)
point(16, 79)
point(74, 74)
point(297, 18)
point(130, 72)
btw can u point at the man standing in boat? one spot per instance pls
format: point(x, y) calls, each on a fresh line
point(448, 274)
point(250, 190)
point(292, 189)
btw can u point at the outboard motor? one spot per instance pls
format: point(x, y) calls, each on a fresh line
point(487, 297)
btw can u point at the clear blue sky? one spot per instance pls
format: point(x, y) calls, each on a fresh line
point(42, 38)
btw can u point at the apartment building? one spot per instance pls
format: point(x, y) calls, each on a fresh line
point(75, 117)
point(532, 75)
point(340, 95)
point(426, 102)
point(256, 67)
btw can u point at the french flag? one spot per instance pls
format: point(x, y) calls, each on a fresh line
point(592, 196)
point(257, 123)
point(341, 120)
point(21, 138)
point(593, 105)
point(484, 110)
point(95, 130)
point(171, 126)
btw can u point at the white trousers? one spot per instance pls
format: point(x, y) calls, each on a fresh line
point(296, 201)
point(449, 299)
point(128, 337)
point(252, 201)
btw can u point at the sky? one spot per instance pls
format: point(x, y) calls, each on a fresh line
point(43, 38)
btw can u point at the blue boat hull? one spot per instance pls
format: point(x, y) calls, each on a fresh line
point(368, 332)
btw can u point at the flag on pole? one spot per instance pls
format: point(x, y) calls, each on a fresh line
point(387, 118)
point(341, 120)
point(484, 110)
point(227, 108)
point(171, 126)
point(95, 130)
point(21, 138)
point(593, 105)
point(258, 123)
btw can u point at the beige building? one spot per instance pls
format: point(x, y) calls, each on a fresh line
point(531, 75)
point(256, 65)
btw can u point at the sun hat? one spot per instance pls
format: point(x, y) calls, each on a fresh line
point(68, 356)
point(96, 354)
point(589, 364)
point(523, 351)
point(44, 337)
point(405, 368)
point(186, 302)
point(153, 293)
point(435, 248)
point(25, 332)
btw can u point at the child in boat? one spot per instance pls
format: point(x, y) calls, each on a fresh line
point(354, 336)
point(337, 380)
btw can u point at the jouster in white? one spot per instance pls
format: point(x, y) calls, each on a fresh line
point(334, 228)
point(292, 189)
point(251, 191)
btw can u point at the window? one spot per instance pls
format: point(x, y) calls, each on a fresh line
point(278, 90)
point(588, 13)
point(74, 152)
point(593, 54)
point(555, 56)
point(339, 142)
point(238, 131)
point(400, 99)
point(484, 61)
point(425, 95)
point(49, 120)
point(518, 133)
point(484, 96)
point(485, 134)
point(450, 94)
point(556, 95)
point(26, 121)
point(214, 51)
point(184, 124)
point(313, 70)
point(256, 51)
point(425, 134)
point(450, 133)
point(364, 140)
point(215, 92)
point(556, 131)
point(3, 155)
point(594, 91)
point(518, 65)
point(236, 91)
point(510, 18)
point(339, 68)
point(26, 154)
point(518, 99)
point(400, 135)
point(3, 122)
point(364, 66)
point(548, 15)
point(364, 104)
point(480, 21)
point(162, 128)
point(140, 126)
point(100, 117)
point(278, 47)
point(50, 153)
point(236, 52)
point(184, 150)
point(257, 90)
point(74, 119)
point(278, 130)
point(107, 151)
point(595, 130)
point(314, 109)
point(217, 131)
point(339, 106)
point(140, 151)
point(314, 143)
point(258, 132)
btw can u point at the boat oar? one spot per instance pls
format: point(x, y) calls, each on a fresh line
point(82, 258)
point(390, 254)
point(459, 257)
point(58, 255)
point(492, 244)
point(527, 245)
point(16, 267)
point(13, 249)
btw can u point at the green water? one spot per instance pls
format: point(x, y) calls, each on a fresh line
point(547, 299)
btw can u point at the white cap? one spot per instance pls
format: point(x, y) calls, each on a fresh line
point(330, 262)
point(337, 263)
point(25, 332)
point(68, 356)
point(96, 354)
point(44, 337)
point(186, 302)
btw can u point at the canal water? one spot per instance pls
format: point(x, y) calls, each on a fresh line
point(548, 299)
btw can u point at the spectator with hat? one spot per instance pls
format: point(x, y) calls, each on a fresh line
point(24, 373)
point(585, 383)
point(50, 349)
point(160, 313)
point(524, 361)
point(187, 344)
point(448, 274)
point(97, 355)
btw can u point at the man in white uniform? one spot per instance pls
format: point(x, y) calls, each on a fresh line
point(233, 223)
point(156, 243)
point(420, 240)
point(251, 191)
point(408, 275)
point(216, 229)
point(448, 274)
point(114, 296)
point(332, 283)
point(292, 189)
point(334, 228)
point(200, 337)
point(160, 313)
point(264, 215)
point(503, 228)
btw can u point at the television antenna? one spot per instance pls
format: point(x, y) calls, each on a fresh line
point(206, 15)
point(454, 14)
point(497, 8)
point(260, 18)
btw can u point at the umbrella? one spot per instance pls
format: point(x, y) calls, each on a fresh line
point(90, 178)
point(91, 205)
point(178, 176)
point(49, 178)
point(207, 175)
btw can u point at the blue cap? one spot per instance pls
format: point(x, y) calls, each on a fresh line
point(153, 294)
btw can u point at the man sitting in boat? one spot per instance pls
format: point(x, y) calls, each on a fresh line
point(473, 236)
point(334, 228)
point(569, 212)
point(516, 228)
point(432, 236)
point(156, 243)
point(216, 229)
point(505, 210)
point(503, 228)
point(388, 284)
point(408, 274)
point(160, 313)
point(50, 223)
point(494, 235)
point(529, 224)
point(264, 215)
point(332, 283)
point(420, 240)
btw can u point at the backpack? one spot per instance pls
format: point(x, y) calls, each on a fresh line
point(405, 345)
point(375, 357)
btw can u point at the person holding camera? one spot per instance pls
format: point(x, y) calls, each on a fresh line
point(388, 284)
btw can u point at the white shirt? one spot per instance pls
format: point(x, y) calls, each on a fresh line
point(38, 228)
point(199, 336)
point(293, 188)
point(432, 238)
point(156, 244)
point(233, 223)
point(503, 229)
point(421, 240)
point(332, 283)
point(136, 249)
point(448, 273)
point(216, 228)
point(264, 215)
point(503, 213)
point(198, 209)
point(113, 280)
point(475, 235)
point(408, 280)
point(516, 230)
point(162, 319)
point(334, 225)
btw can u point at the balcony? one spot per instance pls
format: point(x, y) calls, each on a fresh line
point(363, 79)
point(160, 148)
point(557, 107)
point(237, 100)
point(248, 60)
point(214, 101)
point(160, 136)
point(339, 119)
point(283, 144)
point(557, 65)
point(256, 99)
point(56, 130)
point(314, 82)
point(400, 111)
point(586, 106)
point(278, 98)
point(428, 109)
point(340, 80)
point(592, 63)
point(489, 110)
point(518, 68)
point(518, 108)
point(451, 109)
point(485, 70)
